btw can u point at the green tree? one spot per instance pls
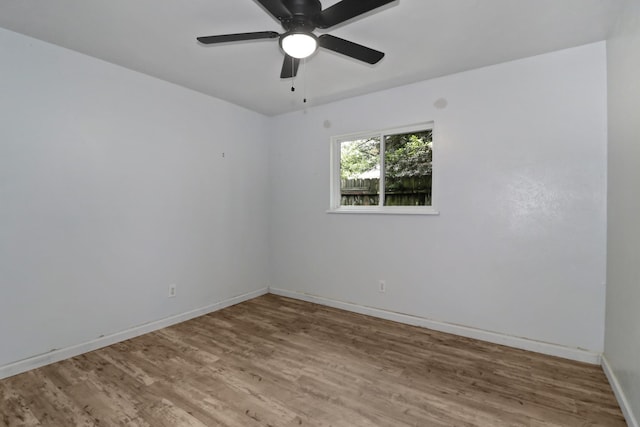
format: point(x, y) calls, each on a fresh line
point(408, 155)
point(357, 157)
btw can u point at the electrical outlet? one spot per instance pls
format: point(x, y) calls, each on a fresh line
point(172, 291)
point(382, 286)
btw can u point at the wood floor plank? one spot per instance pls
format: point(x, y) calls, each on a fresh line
point(278, 362)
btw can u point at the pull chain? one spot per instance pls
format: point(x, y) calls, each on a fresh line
point(304, 80)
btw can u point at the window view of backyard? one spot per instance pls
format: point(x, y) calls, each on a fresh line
point(360, 172)
point(399, 165)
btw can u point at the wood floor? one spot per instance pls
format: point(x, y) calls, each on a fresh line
point(274, 361)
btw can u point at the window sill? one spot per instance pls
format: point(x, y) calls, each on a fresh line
point(388, 210)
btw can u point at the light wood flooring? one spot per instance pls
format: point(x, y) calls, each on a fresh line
point(274, 361)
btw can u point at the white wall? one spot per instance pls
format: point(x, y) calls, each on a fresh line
point(622, 343)
point(520, 165)
point(113, 186)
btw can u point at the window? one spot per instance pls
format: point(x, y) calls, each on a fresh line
point(383, 172)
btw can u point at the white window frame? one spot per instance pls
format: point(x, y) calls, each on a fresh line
point(335, 196)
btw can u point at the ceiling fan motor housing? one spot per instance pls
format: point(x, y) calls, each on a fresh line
point(304, 14)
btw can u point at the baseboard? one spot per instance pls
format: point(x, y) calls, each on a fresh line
point(465, 331)
point(65, 353)
point(517, 342)
point(632, 421)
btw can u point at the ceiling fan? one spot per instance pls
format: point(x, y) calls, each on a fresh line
point(299, 18)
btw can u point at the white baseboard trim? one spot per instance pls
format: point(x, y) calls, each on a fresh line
point(465, 331)
point(632, 421)
point(65, 353)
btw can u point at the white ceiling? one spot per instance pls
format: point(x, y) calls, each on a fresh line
point(421, 38)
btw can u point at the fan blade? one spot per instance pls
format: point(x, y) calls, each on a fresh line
point(289, 67)
point(275, 8)
point(238, 37)
point(354, 50)
point(347, 9)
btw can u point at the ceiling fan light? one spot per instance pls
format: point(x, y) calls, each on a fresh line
point(299, 45)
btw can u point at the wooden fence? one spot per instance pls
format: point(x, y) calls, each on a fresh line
point(406, 191)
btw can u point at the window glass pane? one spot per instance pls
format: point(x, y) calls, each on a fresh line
point(360, 172)
point(407, 169)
